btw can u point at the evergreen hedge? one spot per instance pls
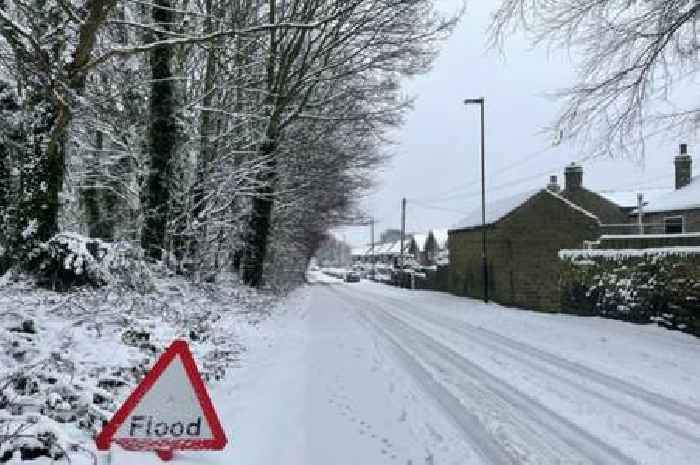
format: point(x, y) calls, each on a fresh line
point(661, 288)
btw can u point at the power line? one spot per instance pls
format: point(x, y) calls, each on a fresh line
point(447, 195)
point(526, 159)
point(434, 207)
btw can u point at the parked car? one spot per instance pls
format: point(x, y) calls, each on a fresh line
point(352, 277)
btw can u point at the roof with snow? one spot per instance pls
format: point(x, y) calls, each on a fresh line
point(628, 199)
point(360, 251)
point(495, 211)
point(381, 248)
point(685, 198)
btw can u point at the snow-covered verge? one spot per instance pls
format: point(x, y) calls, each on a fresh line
point(69, 359)
point(643, 286)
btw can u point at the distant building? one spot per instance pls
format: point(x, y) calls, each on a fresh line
point(387, 253)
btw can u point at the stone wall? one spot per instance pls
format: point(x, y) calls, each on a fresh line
point(437, 280)
point(523, 263)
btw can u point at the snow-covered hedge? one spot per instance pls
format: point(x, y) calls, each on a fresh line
point(643, 286)
point(620, 254)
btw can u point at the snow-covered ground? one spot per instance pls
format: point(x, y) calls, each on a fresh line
point(363, 373)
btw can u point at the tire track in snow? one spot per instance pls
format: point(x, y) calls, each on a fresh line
point(544, 366)
point(517, 349)
point(544, 431)
point(478, 437)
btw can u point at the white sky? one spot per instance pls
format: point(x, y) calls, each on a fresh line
point(436, 163)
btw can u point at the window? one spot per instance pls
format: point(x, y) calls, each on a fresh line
point(674, 225)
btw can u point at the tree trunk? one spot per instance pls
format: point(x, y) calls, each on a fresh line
point(90, 195)
point(162, 139)
point(259, 225)
point(199, 240)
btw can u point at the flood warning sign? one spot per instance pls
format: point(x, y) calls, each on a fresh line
point(170, 410)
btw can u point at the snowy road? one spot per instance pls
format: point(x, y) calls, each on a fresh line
point(516, 403)
point(370, 374)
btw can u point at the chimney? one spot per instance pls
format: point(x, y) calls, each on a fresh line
point(553, 186)
point(684, 167)
point(573, 177)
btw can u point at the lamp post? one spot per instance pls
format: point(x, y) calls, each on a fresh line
point(484, 264)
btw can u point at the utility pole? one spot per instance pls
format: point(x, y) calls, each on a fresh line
point(640, 212)
point(403, 228)
point(371, 229)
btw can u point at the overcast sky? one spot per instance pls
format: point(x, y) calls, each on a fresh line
point(436, 163)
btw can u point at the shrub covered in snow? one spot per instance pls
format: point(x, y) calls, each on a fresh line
point(638, 286)
point(69, 260)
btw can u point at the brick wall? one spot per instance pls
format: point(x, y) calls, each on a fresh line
point(523, 251)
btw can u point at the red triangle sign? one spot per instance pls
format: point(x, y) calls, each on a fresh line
point(169, 410)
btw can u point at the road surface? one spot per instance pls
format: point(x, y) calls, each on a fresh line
point(369, 374)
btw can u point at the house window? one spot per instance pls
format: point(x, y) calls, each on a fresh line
point(674, 225)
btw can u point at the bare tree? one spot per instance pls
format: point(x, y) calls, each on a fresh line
point(634, 55)
point(366, 39)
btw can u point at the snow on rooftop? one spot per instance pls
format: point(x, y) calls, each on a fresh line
point(360, 251)
point(628, 199)
point(381, 248)
point(685, 198)
point(495, 210)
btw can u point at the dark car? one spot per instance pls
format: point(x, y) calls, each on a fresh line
point(352, 277)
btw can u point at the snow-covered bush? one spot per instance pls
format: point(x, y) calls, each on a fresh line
point(638, 286)
point(69, 260)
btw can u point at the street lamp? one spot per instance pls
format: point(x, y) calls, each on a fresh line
point(484, 267)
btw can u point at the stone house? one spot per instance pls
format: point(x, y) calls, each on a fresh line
point(678, 211)
point(524, 235)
